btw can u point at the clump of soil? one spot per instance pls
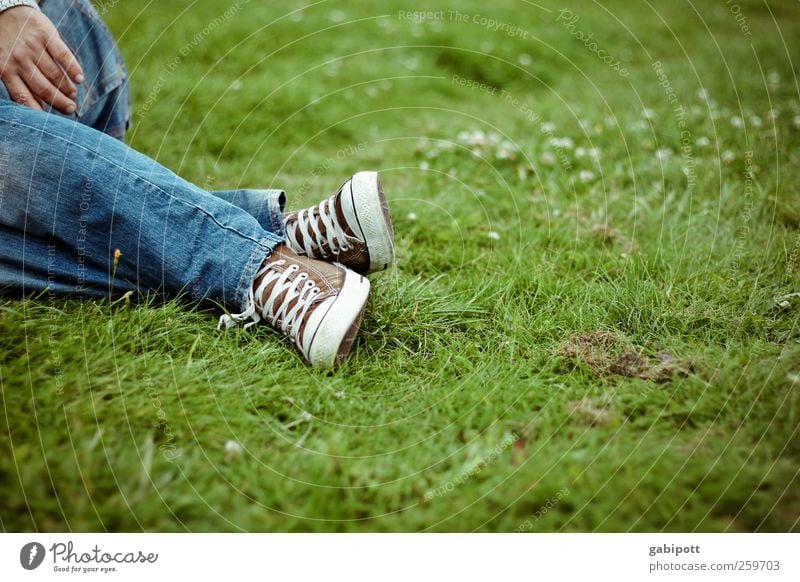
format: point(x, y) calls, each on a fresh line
point(608, 354)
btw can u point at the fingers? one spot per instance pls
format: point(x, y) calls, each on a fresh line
point(20, 93)
point(57, 76)
point(46, 91)
point(64, 57)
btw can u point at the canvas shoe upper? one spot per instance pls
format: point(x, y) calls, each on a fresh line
point(352, 227)
point(317, 304)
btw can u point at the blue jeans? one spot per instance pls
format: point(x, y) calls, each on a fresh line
point(72, 193)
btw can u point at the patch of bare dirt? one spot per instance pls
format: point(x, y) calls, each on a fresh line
point(608, 354)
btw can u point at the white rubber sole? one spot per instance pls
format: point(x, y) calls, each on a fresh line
point(338, 327)
point(368, 201)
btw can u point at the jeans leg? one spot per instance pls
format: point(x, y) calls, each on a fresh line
point(104, 98)
point(266, 206)
point(66, 186)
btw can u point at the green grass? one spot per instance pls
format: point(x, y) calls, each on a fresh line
point(116, 416)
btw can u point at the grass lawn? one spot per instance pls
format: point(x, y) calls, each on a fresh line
point(592, 324)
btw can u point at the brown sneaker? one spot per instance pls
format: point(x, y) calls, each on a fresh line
point(319, 305)
point(352, 227)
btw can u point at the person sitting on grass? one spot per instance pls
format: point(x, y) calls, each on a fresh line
point(82, 213)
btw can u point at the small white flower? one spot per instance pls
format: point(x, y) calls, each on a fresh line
point(586, 176)
point(504, 153)
point(432, 154)
point(424, 166)
point(796, 121)
point(702, 94)
point(411, 64)
point(663, 153)
point(339, 394)
point(703, 142)
point(737, 121)
point(493, 234)
point(385, 85)
point(728, 156)
point(648, 113)
point(477, 152)
point(475, 138)
point(305, 416)
point(771, 115)
point(411, 216)
point(594, 153)
point(236, 85)
point(773, 78)
point(547, 159)
point(336, 16)
point(494, 138)
point(233, 448)
point(562, 142)
point(580, 152)
point(371, 91)
point(524, 59)
point(755, 121)
point(547, 127)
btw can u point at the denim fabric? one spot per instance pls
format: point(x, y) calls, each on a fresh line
point(70, 195)
point(103, 98)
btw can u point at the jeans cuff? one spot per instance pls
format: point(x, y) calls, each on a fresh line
point(276, 202)
point(262, 249)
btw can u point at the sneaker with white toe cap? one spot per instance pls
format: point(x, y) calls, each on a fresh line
point(317, 304)
point(352, 227)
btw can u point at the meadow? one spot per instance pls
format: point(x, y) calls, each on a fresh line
point(592, 324)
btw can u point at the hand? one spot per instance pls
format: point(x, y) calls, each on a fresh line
point(35, 64)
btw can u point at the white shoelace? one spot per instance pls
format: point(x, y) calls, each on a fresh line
point(299, 288)
point(308, 226)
